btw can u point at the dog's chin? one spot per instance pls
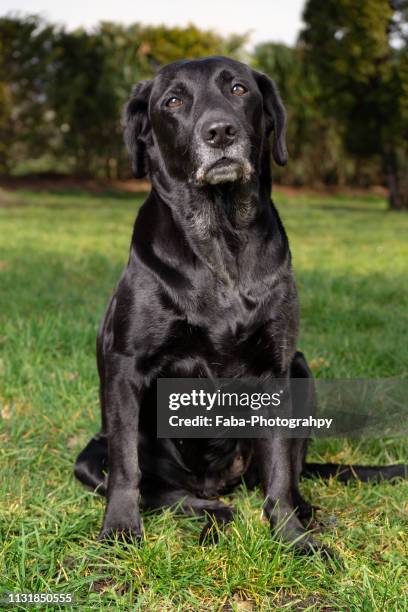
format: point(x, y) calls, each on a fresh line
point(224, 171)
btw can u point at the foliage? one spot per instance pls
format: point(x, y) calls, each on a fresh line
point(362, 77)
point(63, 92)
point(25, 55)
point(345, 85)
point(314, 140)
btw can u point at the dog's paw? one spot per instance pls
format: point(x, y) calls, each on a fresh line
point(306, 513)
point(210, 533)
point(122, 518)
point(130, 535)
point(310, 546)
point(119, 526)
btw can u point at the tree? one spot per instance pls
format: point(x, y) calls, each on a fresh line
point(81, 95)
point(25, 55)
point(314, 142)
point(361, 73)
point(62, 93)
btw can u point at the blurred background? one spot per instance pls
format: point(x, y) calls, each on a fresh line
point(341, 66)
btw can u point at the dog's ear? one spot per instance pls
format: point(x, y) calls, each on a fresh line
point(275, 117)
point(137, 127)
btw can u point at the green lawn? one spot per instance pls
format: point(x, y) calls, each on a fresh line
point(60, 257)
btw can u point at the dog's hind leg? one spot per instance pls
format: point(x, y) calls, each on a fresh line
point(279, 463)
point(303, 508)
point(304, 405)
point(217, 513)
point(91, 464)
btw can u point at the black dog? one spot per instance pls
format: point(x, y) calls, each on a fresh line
point(208, 292)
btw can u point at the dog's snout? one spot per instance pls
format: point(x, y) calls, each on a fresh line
point(219, 133)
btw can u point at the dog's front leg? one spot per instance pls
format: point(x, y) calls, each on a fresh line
point(274, 461)
point(276, 470)
point(122, 403)
point(279, 478)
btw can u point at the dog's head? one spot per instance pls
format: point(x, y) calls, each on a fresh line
point(204, 121)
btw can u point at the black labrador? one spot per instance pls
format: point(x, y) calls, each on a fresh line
point(208, 292)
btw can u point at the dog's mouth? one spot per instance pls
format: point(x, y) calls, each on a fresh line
point(225, 170)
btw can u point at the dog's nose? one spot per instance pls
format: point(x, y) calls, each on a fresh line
point(219, 134)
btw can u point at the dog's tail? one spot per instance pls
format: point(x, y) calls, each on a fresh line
point(345, 473)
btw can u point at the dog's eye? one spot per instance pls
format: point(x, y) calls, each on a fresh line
point(173, 102)
point(238, 90)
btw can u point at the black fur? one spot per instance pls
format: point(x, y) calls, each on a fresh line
point(208, 292)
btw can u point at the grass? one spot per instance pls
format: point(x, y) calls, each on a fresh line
point(61, 255)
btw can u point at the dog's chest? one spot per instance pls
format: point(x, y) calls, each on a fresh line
point(222, 328)
point(230, 306)
point(232, 335)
